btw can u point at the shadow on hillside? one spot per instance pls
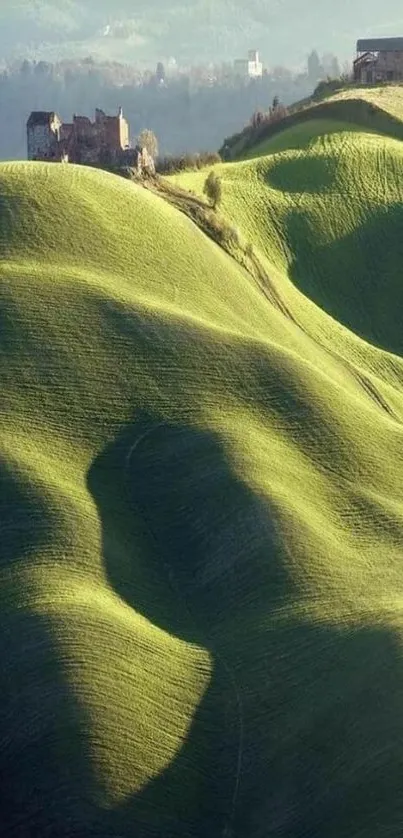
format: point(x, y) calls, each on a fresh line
point(44, 764)
point(306, 173)
point(43, 761)
point(171, 491)
point(25, 516)
point(318, 703)
point(180, 530)
point(191, 547)
point(303, 135)
point(356, 279)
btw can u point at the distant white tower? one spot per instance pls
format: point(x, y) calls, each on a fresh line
point(250, 67)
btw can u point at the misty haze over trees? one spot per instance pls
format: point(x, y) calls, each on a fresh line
point(169, 62)
point(44, 64)
point(192, 110)
point(193, 31)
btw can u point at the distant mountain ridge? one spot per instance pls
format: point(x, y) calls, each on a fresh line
point(198, 30)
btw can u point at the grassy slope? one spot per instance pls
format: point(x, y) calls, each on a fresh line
point(388, 97)
point(371, 109)
point(319, 197)
point(300, 137)
point(202, 504)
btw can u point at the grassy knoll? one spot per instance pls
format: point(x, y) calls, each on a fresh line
point(387, 97)
point(201, 502)
point(323, 209)
point(370, 109)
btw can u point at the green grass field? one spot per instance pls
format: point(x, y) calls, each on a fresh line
point(370, 109)
point(201, 501)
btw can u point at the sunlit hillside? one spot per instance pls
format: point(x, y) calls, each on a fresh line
point(202, 504)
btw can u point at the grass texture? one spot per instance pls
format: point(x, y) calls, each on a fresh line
point(201, 500)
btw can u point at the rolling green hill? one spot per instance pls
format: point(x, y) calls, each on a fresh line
point(365, 109)
point(387, 97)
point(201, 500)
point(321, 201)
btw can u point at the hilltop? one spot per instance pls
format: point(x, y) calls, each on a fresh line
point(202, 510)
point(326, 187)
point(209, 31)
point(374, 109)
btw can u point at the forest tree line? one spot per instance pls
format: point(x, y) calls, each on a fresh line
point(188, 111)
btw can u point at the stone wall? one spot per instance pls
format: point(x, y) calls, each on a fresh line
point(43, 140)
point(81, 141)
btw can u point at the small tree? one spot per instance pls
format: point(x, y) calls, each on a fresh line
point(148, 140)
point(257, 119)
point(160, 74)
point(315, 69)
point(213, 189)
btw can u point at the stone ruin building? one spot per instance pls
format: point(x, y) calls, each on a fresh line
point(103, 142)
point(379, 60)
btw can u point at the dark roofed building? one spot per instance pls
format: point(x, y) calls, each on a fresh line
point(380, 45)
point(41, 118)
point(43, 135)
point(379, 60)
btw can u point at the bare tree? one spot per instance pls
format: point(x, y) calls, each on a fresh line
point(213, 189)
point(148, 140)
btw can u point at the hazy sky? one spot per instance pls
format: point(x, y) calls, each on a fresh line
point(192, 30)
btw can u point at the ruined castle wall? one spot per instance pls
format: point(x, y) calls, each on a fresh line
point(124, 133)
point(112, 133)
point(42, 140)
point(81, 141)
point(38, 141)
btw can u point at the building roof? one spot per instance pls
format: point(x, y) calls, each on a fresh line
point(380, 45)
point(41, 118)
point(364, 58)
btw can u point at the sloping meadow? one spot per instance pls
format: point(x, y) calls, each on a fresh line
point(201, 504)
